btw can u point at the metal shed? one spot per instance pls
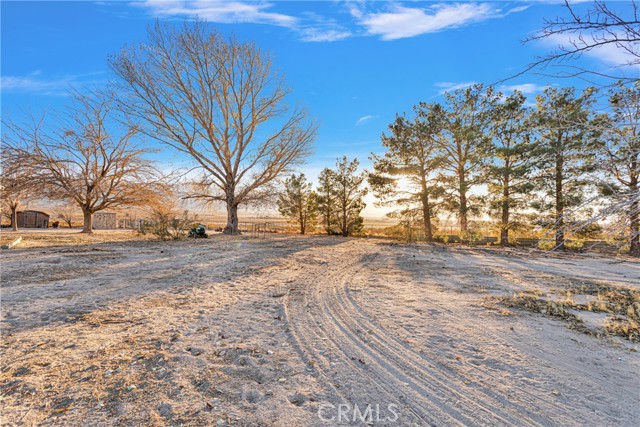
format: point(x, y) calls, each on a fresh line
point(104, 221)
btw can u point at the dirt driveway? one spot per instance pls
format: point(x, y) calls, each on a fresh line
point(316, 331)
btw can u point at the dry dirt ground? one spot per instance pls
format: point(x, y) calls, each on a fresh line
point(294, 331)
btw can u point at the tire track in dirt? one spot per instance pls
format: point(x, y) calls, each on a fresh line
point(523, 276)
point(426, 369)
point(427, 366)
point(425, 388)
point(518, 276)
point(307, 328)
point(477, 399)
point(536, 403)
point(435, 357)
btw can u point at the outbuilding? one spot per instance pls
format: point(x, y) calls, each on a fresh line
point(32, 219)
point(104, 221)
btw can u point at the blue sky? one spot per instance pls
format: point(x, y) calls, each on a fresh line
point(354, 65)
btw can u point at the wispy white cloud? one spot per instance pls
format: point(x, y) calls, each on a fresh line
point(226, 12)
point(525, 88)
point(314, 27)
point(401, 21)
point(310, 26)
point(389, 21)
point(451, 86)
point(36, 83)
point(364, 119)
point(560, 1)
point(324, 34)
point(609, 55)
point(520, 8)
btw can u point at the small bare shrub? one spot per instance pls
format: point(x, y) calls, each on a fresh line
point(165, 224)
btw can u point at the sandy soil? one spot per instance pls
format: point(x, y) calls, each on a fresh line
point(281, 331)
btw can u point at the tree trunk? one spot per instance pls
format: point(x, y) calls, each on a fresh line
point(345, 229)
point(559, 226)
point(232, 219)
point(327, 215)
point(634, 221)
point(328, 220)
point(302, 223)
point(426, 214)
point(504, 226)
point(464, 226)
point(88, 222)
point(14, 218)
point(504, 236)
point(426, 207)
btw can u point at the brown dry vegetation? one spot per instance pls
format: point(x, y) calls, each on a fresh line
point(622, 304)
point(65, 237)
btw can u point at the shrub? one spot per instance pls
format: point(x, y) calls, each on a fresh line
point(166, 225)
point(574, 244)
point(546, 245)
point(471, 237)
point(441, 238)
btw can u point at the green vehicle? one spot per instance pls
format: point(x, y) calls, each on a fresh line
point(199, 231)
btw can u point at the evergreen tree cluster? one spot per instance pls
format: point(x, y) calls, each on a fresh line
point(547, 159)
point(337, 199)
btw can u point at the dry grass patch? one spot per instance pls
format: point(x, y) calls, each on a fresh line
point(622, 304)
point(66, 237)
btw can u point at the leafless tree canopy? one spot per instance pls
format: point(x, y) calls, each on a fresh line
point(16, 184)
point(65, 213)
point(602, 25)
point(83, 159)
point(218, 101)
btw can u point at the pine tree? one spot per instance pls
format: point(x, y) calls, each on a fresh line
point(341, 192)
point(619, 154)
point(562, 155)
point(466, 147)
point(405, 175)
point(327, 199)
point(508, 175)
point(299, 202)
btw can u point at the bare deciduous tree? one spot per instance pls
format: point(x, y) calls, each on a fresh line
point(603, 25)
point(66, 213)
point(16, 185)
point(218, 101)
point(619, 155)
point(83, 160)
